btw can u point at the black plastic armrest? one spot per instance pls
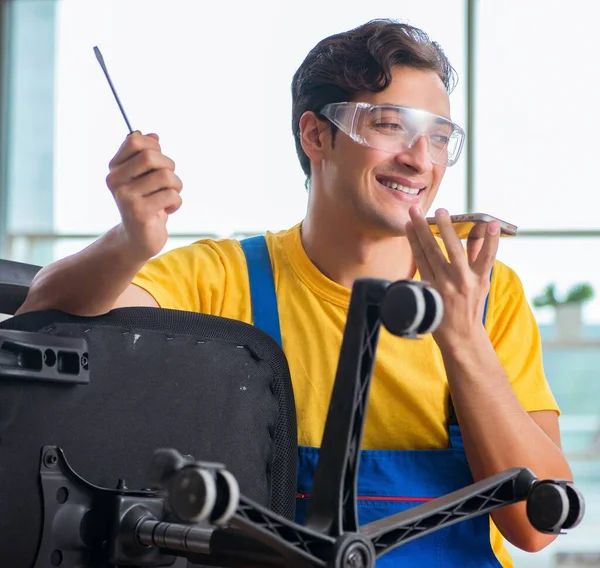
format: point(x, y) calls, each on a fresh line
point(15, 279)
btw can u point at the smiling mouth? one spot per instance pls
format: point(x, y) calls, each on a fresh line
point(400, 187)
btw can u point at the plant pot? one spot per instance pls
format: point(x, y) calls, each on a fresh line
point(568, 321)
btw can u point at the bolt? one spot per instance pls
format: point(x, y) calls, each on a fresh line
point(50, 459)
point(356, 560)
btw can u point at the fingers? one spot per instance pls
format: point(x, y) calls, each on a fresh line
point(425, 244)
point(138, 165)
point(134, 143)
point(148, 184)
point(421, 261)
point(140, 169)
point(454, 246)
point(143, 180)
point(474, 247)
point(432, 264)
point(169, 200)
point(484, 258)
point(139, 211)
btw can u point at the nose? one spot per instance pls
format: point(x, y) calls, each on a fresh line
point(416, 155)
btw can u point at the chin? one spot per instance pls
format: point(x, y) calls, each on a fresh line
point(398, 223)
point(393, 227)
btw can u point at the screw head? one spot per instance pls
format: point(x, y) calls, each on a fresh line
point(354, 551)
point(356, 559)
point(50, 459)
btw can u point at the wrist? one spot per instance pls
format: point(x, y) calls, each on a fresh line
point(458, 346)
point(125, 248)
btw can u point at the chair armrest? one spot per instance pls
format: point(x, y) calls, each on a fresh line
point(15, 279)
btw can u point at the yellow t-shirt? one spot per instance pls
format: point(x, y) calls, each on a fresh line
point(409, 392)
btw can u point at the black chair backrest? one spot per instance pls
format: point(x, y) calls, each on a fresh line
point(213, 388)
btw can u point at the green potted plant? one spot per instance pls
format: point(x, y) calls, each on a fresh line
point(568, 309)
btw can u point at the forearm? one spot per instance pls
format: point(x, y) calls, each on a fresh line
point(87, 283)
point(498, 433)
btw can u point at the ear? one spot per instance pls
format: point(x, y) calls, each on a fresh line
point(315, 135)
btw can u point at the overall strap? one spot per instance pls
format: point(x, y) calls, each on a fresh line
point(454, 435)
point(262, 286)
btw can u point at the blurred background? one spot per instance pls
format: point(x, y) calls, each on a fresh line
point(213, 81)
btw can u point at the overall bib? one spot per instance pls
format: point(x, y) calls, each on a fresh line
point(389, 481)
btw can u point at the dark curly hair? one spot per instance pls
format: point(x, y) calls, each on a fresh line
point(358, 60)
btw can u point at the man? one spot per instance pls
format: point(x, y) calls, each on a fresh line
point(371, 120)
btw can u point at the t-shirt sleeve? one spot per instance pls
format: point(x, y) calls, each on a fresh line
point(207, 277)
point(516, 338)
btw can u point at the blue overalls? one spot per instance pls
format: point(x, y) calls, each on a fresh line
point(389, 481)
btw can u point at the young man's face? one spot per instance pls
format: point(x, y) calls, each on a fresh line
point(354, 176)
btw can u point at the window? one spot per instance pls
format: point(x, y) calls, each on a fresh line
point(535, 155)
point(536, 112)
point(215, 84)
point(216, 89)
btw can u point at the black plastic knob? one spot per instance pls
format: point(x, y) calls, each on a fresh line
point(576, 508)
point(409, 308)
point(434, 311)
point(228, 497)
point(548, 507)
point(192, 494)
point(403, 308)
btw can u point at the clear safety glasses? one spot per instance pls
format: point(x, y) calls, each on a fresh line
point(396, 129)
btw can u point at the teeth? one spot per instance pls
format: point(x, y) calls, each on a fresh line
point(399, 187)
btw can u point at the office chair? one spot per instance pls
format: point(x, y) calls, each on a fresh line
point(149, 437)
